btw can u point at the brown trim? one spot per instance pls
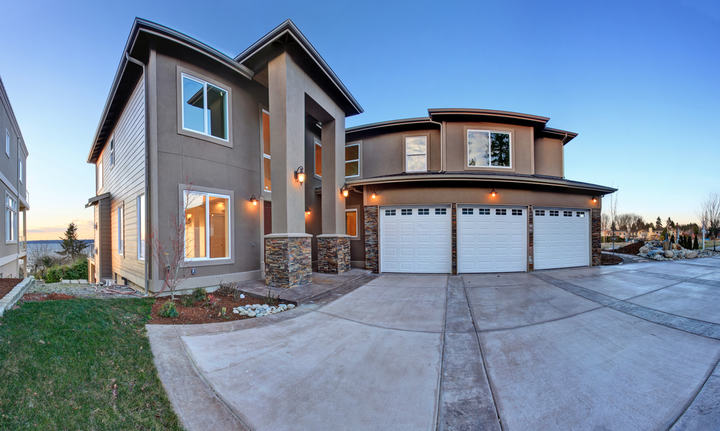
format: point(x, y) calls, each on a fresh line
point(486, 114)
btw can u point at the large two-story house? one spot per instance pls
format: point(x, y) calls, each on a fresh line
point(13, 186)
point(246, 164)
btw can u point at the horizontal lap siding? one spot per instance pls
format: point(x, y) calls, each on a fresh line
point(126, 181)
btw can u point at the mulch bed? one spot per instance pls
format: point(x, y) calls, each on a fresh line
point(202, 312)
point(7, 284)
point(37, 297)
point(609, 259)
point(633, 248)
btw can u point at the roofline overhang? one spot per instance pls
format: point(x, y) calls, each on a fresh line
point(438, 114)
point(392, 125)
point(532, 180)
point(142, 26)
point(289, 28)
point(11, 114)
point(96, 199)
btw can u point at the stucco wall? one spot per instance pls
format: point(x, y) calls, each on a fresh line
point(549, 157)
point(383, 154)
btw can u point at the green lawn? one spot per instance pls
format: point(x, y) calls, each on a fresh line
point(80, 364)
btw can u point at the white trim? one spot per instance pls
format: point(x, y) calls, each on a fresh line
point(120, 220)
point(405, 153)
point(317, 143)
point(12, 224)
point(205, 109)
point(99, 174)
point(4, 260)
point(209, 192)
point(489, 132)
point(357, 234)
point(140, 224)
point(354, 144)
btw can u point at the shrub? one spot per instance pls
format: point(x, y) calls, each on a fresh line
point(76, 271)
point(168, 310)
point(187, 300)
point(54, 274)
point(199, 294)
point(226, 289)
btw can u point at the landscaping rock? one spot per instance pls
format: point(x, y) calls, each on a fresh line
point(669, 254)
point(259, 310)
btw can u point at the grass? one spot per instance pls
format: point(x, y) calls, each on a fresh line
point(80, 364)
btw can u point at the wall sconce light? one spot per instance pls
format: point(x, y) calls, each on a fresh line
point(307, 211)
point(493, 193)
point(345, 191)
point(300, 174)
point(373, 196)
point(594, 199)
point(253, 200)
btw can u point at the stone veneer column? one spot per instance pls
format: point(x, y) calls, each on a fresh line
point(531, 239)
point(595, 236)
point(333, 253)
point(371, 238)
point(288, 260)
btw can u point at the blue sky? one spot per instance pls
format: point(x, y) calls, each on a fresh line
point(639, 81)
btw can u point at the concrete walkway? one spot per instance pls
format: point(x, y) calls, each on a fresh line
point(633, 346)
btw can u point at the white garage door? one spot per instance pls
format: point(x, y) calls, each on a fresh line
point(415, 239)
point(491, 239)
point(562, 238)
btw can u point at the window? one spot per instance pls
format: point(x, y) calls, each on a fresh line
point(440, 211)
point(121, 230)
point(266, 149)
point(539, 212)
point(207, 225)
point(100, 174)
point(406, 211)
point(416, 154)
point(424, 211)
point(488, 149)
point(351, 222)
point(580, 214)
point(389, 212)
point(467, 211)
point(567, 213)
point(554, 213)
point(10, 219)
point(516, 212)
point(483, 211)
point(112, 151)
point(352, 159)
point(317, 145)
point(141, 227)
point(20, 170)
point(7, 142)
point(502, 211)
point(204, 107)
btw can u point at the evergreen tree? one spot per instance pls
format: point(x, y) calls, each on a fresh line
point(72, 247)
point(658, 224)
point(696, 244)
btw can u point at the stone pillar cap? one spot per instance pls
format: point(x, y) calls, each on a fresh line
point(288, 235)
point(333, 235)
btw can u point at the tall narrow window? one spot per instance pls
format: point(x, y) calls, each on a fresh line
point(416, 154)
point(121, 230)
point(112, 151)
point(7, 142)
point(204, 107)
point(266, 150)
point(20, 170)
point(351, 222)
point(317, 145)
point(352, 159)
point(99, 174)
point(141, 227)
point(10, 219)
point(488, 149)
point(207, 225)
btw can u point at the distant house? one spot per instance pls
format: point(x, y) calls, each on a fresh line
point(13, 250)
point(608, 233)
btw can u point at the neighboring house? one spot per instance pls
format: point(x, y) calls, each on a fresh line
point(250, 156)
point(13, 176)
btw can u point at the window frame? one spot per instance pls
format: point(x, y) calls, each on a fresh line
point(358, 160)
point(357, 223)
point(112, 151)
point(120, 220)
point(510, 133)
point(20, 169)
point(141, 222)
point(11, 222)
point(182, 73)
point(427, 152)
point(209, 191)
point(317, 143)
point(99, 174)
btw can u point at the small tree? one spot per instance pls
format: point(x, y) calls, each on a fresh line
point(72, 247)
point(696, 245)
point(658, 224)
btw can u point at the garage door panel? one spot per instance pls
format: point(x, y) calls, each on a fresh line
point(562, 238)
point(492, 239)
point(415, 239)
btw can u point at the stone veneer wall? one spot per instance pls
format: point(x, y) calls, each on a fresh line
point(595, 237)
point(371, 238)
point(288, 261)
point(531, 237)
point(333, 254)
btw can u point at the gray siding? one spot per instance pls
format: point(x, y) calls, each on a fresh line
point(125, 181)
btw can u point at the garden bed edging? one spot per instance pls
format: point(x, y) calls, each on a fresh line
point(15, 294)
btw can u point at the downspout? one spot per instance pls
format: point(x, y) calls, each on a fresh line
point(147, 171)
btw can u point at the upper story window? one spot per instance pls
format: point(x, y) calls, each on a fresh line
point(317, 145)
point(10, 219)
point(352, 159)
point(204, 107)
point(488, 149)
point(112, 151)
point(207, 225)
point(99, 174)
point(266, 149)
point(20, 170)
point(415, 153)
point(7, 142)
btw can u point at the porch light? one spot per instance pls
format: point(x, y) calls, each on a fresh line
point(307, 211)
point(373, 196)
point(253, 200)
point(594, 199)
point(344, 190)
point(493, 193)
point(300, 174)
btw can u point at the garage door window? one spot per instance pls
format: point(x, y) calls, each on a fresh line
point(539, 213)
point(554, 213)
point(440, 211)
point(580, 214)
point(389, 212)
point(424, 211)
point(517, 212)
point(467, 211)
point(483, 211)
point(502, 211)
point(406, 211)
point(567, 213)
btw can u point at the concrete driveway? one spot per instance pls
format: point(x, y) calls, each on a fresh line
point(625, 347)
